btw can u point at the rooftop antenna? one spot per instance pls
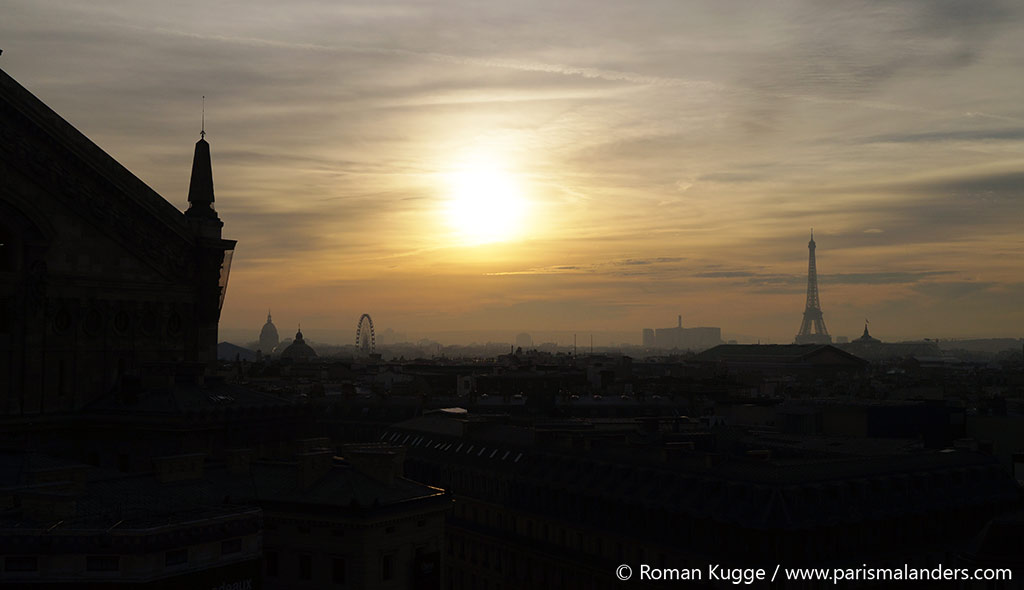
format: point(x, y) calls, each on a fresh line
point(202, 131)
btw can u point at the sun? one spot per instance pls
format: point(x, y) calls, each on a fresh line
point(485, 204)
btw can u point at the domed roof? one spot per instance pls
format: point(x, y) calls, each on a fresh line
point(268, 336)
point(867, 338)
point(298, 349)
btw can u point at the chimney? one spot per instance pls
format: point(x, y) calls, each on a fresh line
point(380, 461)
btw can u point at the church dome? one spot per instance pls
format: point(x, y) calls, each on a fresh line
point(867, 338)
point(298, 350)
point(268, 336)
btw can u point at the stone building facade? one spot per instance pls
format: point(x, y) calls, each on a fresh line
point(104, 285)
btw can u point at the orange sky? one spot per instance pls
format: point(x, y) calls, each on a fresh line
point(590, 167)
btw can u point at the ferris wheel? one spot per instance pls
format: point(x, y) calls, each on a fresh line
point(366, 340)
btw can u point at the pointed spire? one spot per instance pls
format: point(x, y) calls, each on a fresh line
point(268, 316)
point(200, 188)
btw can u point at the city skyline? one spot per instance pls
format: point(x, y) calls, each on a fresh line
point(669, 160)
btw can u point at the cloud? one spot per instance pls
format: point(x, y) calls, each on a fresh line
point(650, 266)
point(998, 134)
point(724, 274)
point(775, 280)
point(640, 131)
point(999, 185)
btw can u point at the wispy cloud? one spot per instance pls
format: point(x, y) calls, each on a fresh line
point(673, 155)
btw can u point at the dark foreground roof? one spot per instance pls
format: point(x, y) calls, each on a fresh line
point(780, 354)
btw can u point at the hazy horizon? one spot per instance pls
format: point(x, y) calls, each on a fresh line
point(576, 167)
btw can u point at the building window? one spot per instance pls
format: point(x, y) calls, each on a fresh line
point(271, 557)
point(230, 546)
point(305, 567)
point(102, 563)
point(387, 567)
point(338, 570)
point(175, 557)
point(389, 530)
point(304, 529)
point(21, 563)
point(421, 523)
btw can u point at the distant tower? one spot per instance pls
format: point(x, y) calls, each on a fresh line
point(268, 336)
point(213, 253)
point(812, 329)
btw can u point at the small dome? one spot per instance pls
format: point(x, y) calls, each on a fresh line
point(867, 338)
point(298, 349)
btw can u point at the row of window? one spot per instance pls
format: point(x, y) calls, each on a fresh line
point(93, 563)
point(306, 529)
point(112, 563)
point(94, 322)
point(413, 440)
point(338, 567)
point(537, 529)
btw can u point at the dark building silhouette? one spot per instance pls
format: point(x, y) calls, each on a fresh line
point(75, 526)
point(782, 358)
point(126, 458)
point(681, 338)
point(314, 521)
point(104, 282)
point(560, 503)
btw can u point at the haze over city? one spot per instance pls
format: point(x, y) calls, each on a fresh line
point(467, 167)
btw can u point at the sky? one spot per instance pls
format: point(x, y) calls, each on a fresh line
point(591, 166)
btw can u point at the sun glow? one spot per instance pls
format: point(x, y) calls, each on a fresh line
point(485, 203)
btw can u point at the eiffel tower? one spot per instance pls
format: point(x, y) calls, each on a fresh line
point(812, 329)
